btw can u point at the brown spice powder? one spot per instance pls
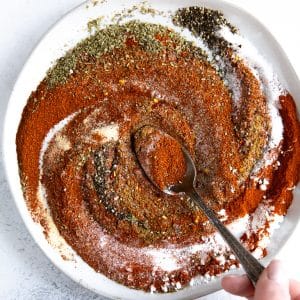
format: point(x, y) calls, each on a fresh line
point(161, 156)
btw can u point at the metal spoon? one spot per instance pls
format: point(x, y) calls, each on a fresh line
point(250, 264)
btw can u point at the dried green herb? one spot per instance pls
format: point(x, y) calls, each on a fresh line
point(94, 24)
point(146, 35)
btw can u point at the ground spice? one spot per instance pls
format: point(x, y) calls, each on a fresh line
point(150, 37)
point(160, 155)
point(108, 87)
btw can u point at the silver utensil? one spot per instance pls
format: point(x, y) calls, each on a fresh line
point(250, 264)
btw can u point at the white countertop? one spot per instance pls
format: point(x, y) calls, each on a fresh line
point(25, 272)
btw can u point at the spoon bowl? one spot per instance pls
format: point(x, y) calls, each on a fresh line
point(189, 180)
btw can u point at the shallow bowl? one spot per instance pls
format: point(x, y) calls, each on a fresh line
point(68, 31)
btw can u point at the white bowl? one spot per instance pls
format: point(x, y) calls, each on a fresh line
point(71, 29)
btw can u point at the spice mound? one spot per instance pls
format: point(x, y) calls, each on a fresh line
point(160, 156)
point(214, 94)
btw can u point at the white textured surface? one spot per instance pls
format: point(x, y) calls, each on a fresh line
point(25, 273)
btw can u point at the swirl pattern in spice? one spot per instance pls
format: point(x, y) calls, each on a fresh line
point(74, 147)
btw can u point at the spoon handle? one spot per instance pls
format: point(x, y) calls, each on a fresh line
point(250, 264)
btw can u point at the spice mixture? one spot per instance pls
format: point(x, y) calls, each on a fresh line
point(160, 156)
point(75, 152)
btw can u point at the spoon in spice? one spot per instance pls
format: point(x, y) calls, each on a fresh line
point(169, 166)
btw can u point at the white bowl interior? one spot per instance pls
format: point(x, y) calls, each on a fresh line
point(71, 29)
